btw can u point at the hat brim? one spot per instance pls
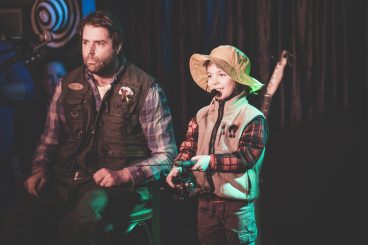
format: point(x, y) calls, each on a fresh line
point(198, 70)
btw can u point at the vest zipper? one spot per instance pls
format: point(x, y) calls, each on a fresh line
point(216, 127)
point(81, 136)
point(93, 126)
point(213, 140)
point(121, 71)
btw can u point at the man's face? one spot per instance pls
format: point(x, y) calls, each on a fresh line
point(97, 50)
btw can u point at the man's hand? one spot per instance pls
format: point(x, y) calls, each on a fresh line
point(107, 177)
point(202, 162)
point(172, 175)
point(36, 182)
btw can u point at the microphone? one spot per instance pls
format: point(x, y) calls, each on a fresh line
point(215, 92)
point(43, 38)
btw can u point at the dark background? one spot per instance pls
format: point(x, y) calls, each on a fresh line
point(313, 186)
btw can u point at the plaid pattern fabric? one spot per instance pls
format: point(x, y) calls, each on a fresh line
point(155, 119)
point(251, 144)
point(188, 148)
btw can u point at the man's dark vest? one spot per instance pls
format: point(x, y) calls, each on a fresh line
point(110, 138)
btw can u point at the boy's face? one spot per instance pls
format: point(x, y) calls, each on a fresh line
point(219, 80)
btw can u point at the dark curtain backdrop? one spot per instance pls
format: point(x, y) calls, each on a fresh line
point(328, 39)
point(311, 189)
point(312, 179)
point(312, 182)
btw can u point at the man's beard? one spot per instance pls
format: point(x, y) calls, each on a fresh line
point(101, 67)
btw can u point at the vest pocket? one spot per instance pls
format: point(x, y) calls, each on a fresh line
point(112, 151)
point(74, 115)
point(115, 119)
point(74, 108)
point(75, 111)
point(113, 137)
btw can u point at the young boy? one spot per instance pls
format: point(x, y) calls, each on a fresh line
point(226, 141)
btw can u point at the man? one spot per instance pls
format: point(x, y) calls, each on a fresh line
point(29, 120)
point(108, 132)
point(53, 71)
point(16, 90)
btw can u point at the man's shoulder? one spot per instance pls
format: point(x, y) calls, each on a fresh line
point(74, 75)
point(252, 110)
point(140, 73)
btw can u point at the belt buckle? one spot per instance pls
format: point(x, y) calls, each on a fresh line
point(76, 176)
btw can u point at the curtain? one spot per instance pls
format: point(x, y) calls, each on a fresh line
point(327, 79)
point(311, 182)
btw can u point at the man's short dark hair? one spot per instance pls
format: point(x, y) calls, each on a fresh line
point(106, 20)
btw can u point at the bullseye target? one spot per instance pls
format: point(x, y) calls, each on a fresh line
point(60, 18)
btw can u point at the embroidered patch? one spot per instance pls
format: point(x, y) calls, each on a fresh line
point(232, 130)
point(75, 86)
point(126, 93)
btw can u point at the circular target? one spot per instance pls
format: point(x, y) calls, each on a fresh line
point(60, 18)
